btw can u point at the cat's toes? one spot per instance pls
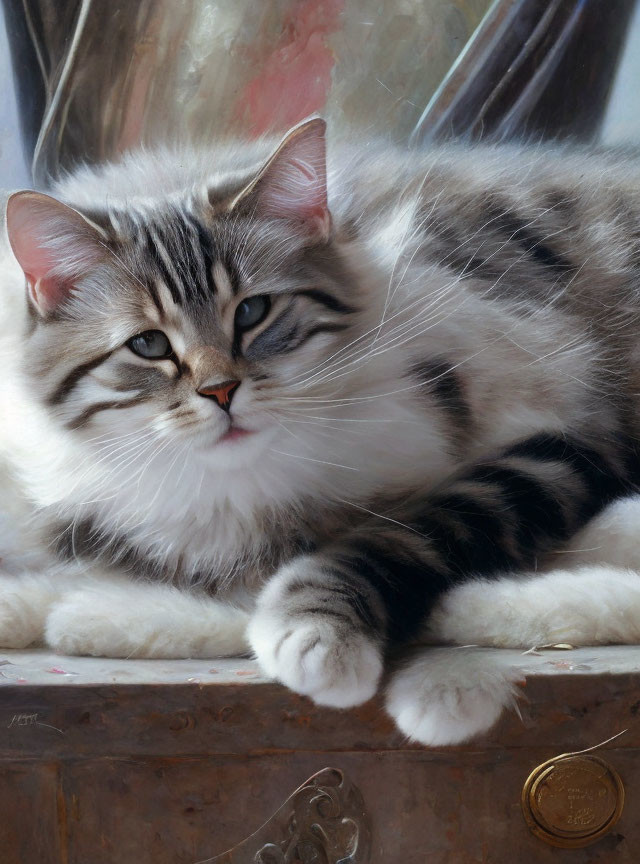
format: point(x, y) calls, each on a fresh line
point(22, 612)
point(447, 696)
point(126, 619)
point(311, 655)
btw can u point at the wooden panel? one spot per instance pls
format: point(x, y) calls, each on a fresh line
point(455, 808)
point(32, 814)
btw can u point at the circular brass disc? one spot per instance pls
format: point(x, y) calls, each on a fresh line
point(572, 800)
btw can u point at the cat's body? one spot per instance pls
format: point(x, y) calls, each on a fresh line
point(443, 385)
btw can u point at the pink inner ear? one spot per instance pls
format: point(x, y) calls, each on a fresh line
point(294, 185)
point(46, 294)
point(52, 243)
point(27, 223)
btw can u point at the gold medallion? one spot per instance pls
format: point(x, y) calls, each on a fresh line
point(572, 800)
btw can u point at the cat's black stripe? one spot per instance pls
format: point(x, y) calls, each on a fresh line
point(78, 537)
point(340, 585)
point(89, 540)
point(132, 376)
point(313, 331)
point(190, 260)
point(450, 249)
point(205, 242)
point(274, 339)
point(325, 299)
point(85, 416)
point(563, 204)
point(446, 387)
point(467, 266)
point(167, 277)
point(519, 231)
point(473, 532)
point(68, 383)
point(512, 516)
point(537, 511)
point(34, 319)
point(210, 254)
point(358, 602)
point(603, 480)
point(404, 581)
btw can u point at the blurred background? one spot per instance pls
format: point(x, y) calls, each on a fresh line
point(84, 80)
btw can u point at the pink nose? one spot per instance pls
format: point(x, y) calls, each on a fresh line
point(222, 393)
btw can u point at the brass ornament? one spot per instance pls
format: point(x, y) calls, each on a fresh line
point(572, 800)
point(322, 822)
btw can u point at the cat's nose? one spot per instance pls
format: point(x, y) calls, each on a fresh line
point(222, 393)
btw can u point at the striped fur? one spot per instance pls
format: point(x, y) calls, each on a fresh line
point(442, 390)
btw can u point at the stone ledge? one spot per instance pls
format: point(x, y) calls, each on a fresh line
point(78, 706)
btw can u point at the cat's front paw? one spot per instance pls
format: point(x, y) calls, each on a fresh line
point(446, 696)
point(317, 659)
point(303, 637)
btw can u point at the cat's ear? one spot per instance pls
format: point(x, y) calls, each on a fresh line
point(53, 244)
point(292, 184)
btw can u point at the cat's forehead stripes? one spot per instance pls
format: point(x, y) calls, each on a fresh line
point(205, 242)
point(182, 261)
point(186, 258)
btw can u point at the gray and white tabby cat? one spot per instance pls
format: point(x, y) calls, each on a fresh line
point(238, 414)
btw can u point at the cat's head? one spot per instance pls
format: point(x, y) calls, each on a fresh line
point(197, 317)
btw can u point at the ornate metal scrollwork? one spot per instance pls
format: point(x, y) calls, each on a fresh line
point(323, 822)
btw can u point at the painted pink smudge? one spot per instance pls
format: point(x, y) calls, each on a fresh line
point(295, 79)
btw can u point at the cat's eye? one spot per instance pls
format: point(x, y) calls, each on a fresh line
point(152, 344)
point(252, 311)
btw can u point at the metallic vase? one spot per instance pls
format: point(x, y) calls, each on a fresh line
point(95, 78)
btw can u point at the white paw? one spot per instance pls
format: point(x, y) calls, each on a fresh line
point(315, 657)
point(446, 696)
point(23, 605)
point(589, 605)
point(126, 619)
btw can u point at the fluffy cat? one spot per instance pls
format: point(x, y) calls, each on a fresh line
point(252, 404)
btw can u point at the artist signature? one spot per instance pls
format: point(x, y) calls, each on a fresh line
point(30, 720)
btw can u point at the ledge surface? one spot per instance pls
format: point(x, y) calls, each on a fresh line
point(67, 707)
point(46, 669)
